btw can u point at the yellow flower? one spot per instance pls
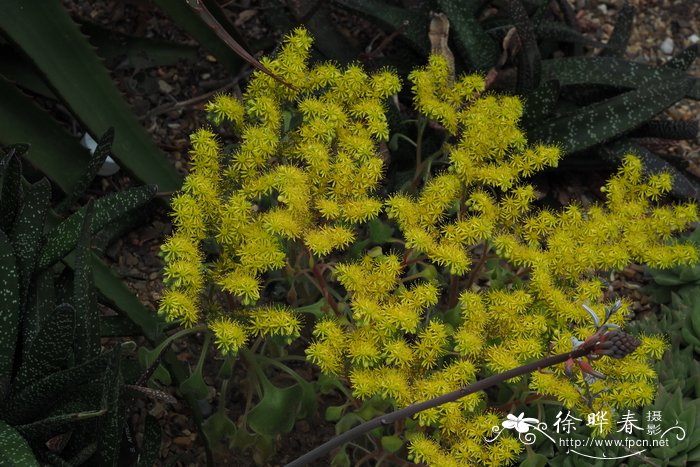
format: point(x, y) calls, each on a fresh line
point(229, 335)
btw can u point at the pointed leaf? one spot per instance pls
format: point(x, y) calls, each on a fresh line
point(28, 231)
point(97, 159)
point(87, 335)
point(38, 398)
point(10, 185)
point(414, 27)
point(9, 312)
point(277, 410)
point(621, 33)
point(14, 449)
point(151, 442)
point(50, 350)
point(40, 303)
point(112, 424)
point(54, 151)
point(63, 238)
point(605, 120)
point(67, 60)
point(476, 47)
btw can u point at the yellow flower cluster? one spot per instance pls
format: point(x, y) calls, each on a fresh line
point(305, 168)
point(394, 344)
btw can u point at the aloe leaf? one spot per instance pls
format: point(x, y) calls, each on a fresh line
point(327, 39)
point(45, 427)
point(56, 46)
point(183, 15)
point(118, 326)
point(54, 152)
point(10, 185)
point(112, 425)
point(414, 26)
point(63, 238)
point(14, 449)
point(540, 103)
point(529, 59)
point(669, 129)
point(40, 303)
point(610, 71)
point(682, 187)
point(151, 442)
point(552, 30)
point(87, 336)
point(50, 351)
point(119, 297)
point(15, 68)
point(27, 234)
point(9, 311)
point(683, 60)
point(474, 45)
point(622, 32)
point(97, 159)
point(38, 398)
point(605, 120)
point(136, 52)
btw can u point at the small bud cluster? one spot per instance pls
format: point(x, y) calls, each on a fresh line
point(617, 344)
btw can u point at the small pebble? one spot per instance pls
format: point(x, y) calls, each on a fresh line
point(694, 38)
point(603, 8)
point(667, 46)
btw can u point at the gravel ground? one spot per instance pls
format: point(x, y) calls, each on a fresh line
point(662, 28)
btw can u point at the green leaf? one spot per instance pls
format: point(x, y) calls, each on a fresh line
point(185, 17)
point(334, 412)
point(392, 443)
point(41, 301)
point(87, 335)
point(151, 443)
point(602, 121)
point(621, 33)
point(380, 232)
point(26, 405)
point(534, 460)
point(195, 386)
point(9, 312)
point(474, 45)
point(540, 103)
point(414, 26)
point(112, 424)
point(50, 350)
point(341, 459)
point(97, 159)
point(118, 326)
point(137, 52)
point(14, 450)
point(28, 231)
point(219, 427)
point(63, 238)
point(10, 184)
point(610, 71)
point(54, 43)
point(54, 151)
point(45, 427)
point(277, 410)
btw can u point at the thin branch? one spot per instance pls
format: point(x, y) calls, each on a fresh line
point(406, 412)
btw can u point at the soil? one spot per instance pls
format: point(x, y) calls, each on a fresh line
point(169, 101)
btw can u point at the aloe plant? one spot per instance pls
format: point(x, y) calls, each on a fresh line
point(62, 399)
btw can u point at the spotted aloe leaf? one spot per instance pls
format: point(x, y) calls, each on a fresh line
point(474, 45)
point(610, 71)
point(605, 120)
point(28, 231)
point(10, 185)
point(621, 33)
point(50, 351)
point(9, 311)
point(87, 337)
point(14, 448)
point(63, 238)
